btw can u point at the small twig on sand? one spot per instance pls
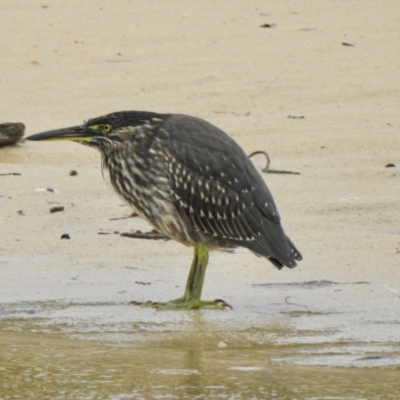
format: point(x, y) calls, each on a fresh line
point(145, 235)
point(266, 168)
point(134, 214)
point(392, 290)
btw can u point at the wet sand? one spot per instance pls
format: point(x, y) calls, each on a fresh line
point(318, 107)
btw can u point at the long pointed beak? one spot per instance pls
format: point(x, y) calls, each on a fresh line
point(79, 133)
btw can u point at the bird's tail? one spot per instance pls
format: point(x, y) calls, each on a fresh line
point(278, 248)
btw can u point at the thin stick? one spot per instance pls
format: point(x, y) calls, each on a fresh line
point(266, 168)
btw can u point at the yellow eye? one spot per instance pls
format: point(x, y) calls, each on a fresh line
point(107, 128)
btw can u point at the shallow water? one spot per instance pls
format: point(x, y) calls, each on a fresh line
point(36, 366)
point(77, 358)
point(68, 332)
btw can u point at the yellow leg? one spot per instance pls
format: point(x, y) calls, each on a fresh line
point(191, 299)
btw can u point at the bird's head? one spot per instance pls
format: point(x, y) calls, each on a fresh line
point(103, 131)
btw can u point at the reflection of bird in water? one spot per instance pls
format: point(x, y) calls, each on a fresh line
point(192, 182)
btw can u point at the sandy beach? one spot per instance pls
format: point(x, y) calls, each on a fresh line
point(315, 84)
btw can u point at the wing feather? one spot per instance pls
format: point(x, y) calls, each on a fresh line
point(221, 192)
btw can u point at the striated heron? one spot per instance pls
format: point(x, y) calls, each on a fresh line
point(190, 181)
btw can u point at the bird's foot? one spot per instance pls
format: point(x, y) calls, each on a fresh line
point(183, 304)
